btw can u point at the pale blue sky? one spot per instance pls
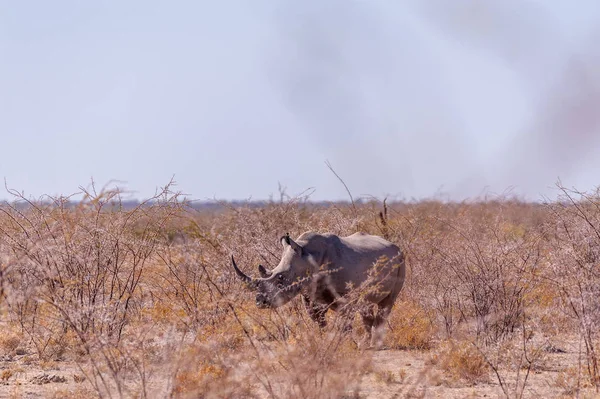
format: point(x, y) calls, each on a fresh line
point(406, 99)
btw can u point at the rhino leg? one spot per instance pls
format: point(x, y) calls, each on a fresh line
point(384, 308)
point(315, 311)
point(379, 325)
point(345, 316)
point(368, 318)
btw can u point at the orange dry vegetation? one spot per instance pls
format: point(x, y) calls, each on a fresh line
point(115, 301)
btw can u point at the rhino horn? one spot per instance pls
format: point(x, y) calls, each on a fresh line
point(241, 274)
point(264, 273)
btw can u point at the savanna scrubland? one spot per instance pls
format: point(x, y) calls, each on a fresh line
point(501, 298)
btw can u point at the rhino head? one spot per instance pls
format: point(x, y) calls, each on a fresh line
point(278, 286)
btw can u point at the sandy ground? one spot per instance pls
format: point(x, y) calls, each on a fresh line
point(32, 380)
point(395, 374)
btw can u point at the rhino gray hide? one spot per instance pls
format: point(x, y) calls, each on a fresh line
point(324, 268)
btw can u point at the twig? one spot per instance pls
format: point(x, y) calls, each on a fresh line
point(345, 186)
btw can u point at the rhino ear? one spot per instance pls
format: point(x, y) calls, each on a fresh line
point(297, 247)
point(286, 240)
point(264, 273)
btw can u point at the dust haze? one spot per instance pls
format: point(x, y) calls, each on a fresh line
point(367, 83)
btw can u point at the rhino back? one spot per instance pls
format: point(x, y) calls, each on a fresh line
point(355, 255)
point(370, 244)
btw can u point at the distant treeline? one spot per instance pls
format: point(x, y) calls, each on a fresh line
point(219, 205)
point(197, 205)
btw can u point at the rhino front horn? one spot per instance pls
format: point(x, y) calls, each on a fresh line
point(241, 274)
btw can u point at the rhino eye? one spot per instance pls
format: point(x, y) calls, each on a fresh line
point(280, 277)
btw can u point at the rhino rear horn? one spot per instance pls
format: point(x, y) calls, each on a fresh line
point(264, 273)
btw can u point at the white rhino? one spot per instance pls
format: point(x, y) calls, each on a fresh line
point(324, 268)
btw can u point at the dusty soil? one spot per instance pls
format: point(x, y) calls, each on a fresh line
point(21, 378)
point(394, 374)
point(414, 376)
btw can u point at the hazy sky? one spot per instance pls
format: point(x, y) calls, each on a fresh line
point(406, 99)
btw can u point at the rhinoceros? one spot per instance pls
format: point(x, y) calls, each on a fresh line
point(324, 268)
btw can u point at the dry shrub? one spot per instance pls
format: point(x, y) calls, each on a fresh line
point(545, 309)
point(573, 379)
point(386, 376)
point(74, 393)
point(482, 281)
point(493, 271)
point(462, 360)
point(307, 364)
point(327, 365)
point(411, 326)
point(575, 235)
point(205, 374)
point(79, 267)
point(10, 340)
point(402, 375)
point(474, 266)
point(6, 374)
point(123, 290)
point(76, 278)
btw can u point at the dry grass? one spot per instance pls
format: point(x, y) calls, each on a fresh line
point(5, 375)
point(412, 326)
point(10, 340)
point(462, 361)
point(142, 302)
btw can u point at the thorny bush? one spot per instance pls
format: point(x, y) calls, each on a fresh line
point(143, 298)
